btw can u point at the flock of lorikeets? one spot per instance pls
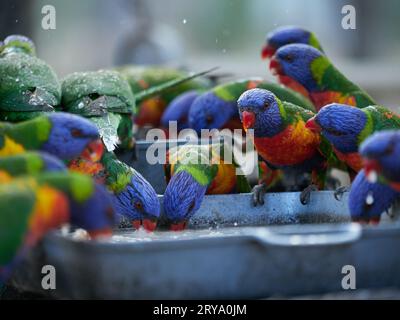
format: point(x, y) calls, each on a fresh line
point(59, 141)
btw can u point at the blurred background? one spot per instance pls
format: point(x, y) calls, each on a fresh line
point(95, 34)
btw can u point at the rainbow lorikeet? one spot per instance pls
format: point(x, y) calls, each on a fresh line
point(31, 206)
point(150, 109)
point(381, 154)
point(346, 128)
point(28, 86)
point(367, 201)
point(63, 135)
point(28, 163)
point(134, 197)
point(216, 108)
point(307, 70)
point(282, 139)
point(104, 97)
point(178, 109)
point(282, 36)
point(193, 171)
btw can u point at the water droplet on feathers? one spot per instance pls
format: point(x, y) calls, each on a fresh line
point(372, 176)
point(369, 200)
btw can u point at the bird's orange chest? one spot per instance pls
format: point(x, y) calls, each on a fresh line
point(353, 160)
point(292, 146)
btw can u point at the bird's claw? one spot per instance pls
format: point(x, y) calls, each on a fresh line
point(306, 194)
point(258, 193)
point(339, 192)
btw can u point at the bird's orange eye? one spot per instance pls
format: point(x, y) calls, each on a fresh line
point(76, 133)
point(138, 205)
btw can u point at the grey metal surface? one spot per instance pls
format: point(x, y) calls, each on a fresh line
point(246, 261)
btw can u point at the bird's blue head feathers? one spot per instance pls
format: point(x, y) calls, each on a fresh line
point(342, 125)
point(96, 213)
point(138, 201)
point(69, 135)
point(182, 197)
point(384, 148)
point(294, 61)
point(178, 109)
point(265, 107)
point(52, 163)
point(287, 35)
point(210, 112)
point(369, 200)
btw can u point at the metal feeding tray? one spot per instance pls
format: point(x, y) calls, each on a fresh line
point(231, 250)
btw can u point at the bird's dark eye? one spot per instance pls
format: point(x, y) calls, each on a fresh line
point(266, 105)
point(76, 133)
point(389, 149)
point(138, 205)
point(288, 58)
point(94, 95)
point(333, 132)
point(209, 119)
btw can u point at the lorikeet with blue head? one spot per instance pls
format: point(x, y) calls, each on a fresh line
point(346, 128)
point(28, 86)
point(134, 197)
point(282, 139)
point(217, 108)
point(282, 36)
point(150, 109)
point(32, 206)
point(381, 155)
point(193, 171)
point(63, 135)
point(367, 201)
point(307, 70)
point(28, 163)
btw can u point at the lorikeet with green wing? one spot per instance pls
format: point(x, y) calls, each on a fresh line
point(134, 198)
point(346, 128)
point(28, 163)
point(150, 109)
point(32, 206)
point(282, 139)
point(28, 86)
point(307, 70)
point(193, 171)
point(282, 36)
point(63, 135)
point(217, 108)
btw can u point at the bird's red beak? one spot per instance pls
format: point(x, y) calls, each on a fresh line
point(313, 125)
point(248, 119)
point(93, 151)
point(275, 66)
point(267, 51)
point(178, 226)
point(101, 233)
point(148, 224)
